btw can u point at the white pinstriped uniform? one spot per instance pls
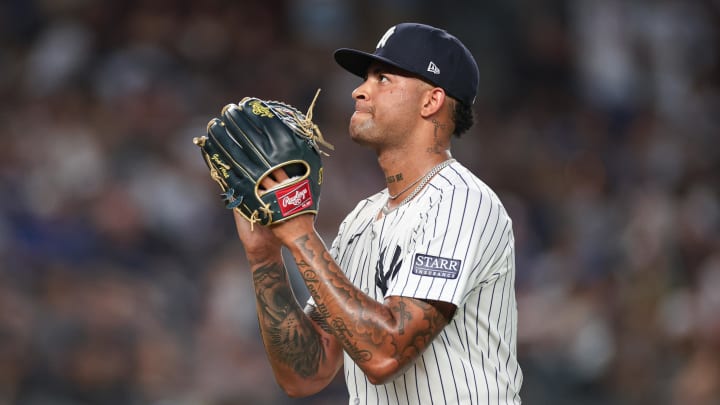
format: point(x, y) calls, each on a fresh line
point(453, 242)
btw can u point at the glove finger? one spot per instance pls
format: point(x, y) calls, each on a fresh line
point(238, 173)
point(290, 137)
point(232, 182)
point(246, 132)
point(264, 136)
point(269, 134)
point(218, 169)
point(236, 154)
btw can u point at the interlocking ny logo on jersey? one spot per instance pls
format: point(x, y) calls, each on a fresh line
point(381, 276)
point(435, 266)
point(294, 198)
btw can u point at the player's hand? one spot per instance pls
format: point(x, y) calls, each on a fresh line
point(293, 228)
point(275, 179)
point(259, 241)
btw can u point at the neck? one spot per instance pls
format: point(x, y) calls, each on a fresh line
point(393, 201)
point(403, 170)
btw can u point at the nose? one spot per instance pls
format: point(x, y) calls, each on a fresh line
point(360, 92)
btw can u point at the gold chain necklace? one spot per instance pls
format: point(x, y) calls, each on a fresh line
point(423, 181)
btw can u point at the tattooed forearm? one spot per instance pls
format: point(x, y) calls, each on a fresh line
point(422, 337)
point(319, 315)
point(368, 330)
point(288, 334)
point(345, 293)
point(403, 315)
point(337, 324)
point(344, 335)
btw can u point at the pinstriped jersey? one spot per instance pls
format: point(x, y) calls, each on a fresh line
point(454, 243)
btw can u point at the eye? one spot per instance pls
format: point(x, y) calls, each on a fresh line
point(382, 78)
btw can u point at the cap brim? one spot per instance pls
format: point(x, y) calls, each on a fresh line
point(357, 62)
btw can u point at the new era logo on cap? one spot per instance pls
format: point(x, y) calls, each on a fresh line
point(421, 50)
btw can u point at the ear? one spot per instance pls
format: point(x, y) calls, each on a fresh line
point(433, 101)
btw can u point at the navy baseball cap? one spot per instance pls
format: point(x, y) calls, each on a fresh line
point(425, 51)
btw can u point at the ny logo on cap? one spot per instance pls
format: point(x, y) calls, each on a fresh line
point(385, 37)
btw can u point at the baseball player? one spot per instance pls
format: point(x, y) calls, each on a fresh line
point(415, 297)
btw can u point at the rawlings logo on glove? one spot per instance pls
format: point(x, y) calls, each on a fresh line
point(295, 198)
point(251, 140)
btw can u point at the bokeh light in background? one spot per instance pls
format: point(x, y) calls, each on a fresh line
point(122, 281)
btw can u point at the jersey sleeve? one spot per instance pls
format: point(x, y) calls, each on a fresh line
point(462, 241)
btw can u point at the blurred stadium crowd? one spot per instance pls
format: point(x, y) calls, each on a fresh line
point(122, 281)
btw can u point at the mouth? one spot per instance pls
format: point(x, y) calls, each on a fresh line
point(362, 109)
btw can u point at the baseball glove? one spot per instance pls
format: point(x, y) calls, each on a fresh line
point(252, 139)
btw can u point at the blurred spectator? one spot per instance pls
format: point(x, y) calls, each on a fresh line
point(121, 278)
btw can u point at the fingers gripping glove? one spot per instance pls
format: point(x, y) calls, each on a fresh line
point(252, 139)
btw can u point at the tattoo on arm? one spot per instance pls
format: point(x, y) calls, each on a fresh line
point(318, 318)
point(403, 315)
point(422, 337)
point(288, 333)
point(337, 325)
point(356, 325)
